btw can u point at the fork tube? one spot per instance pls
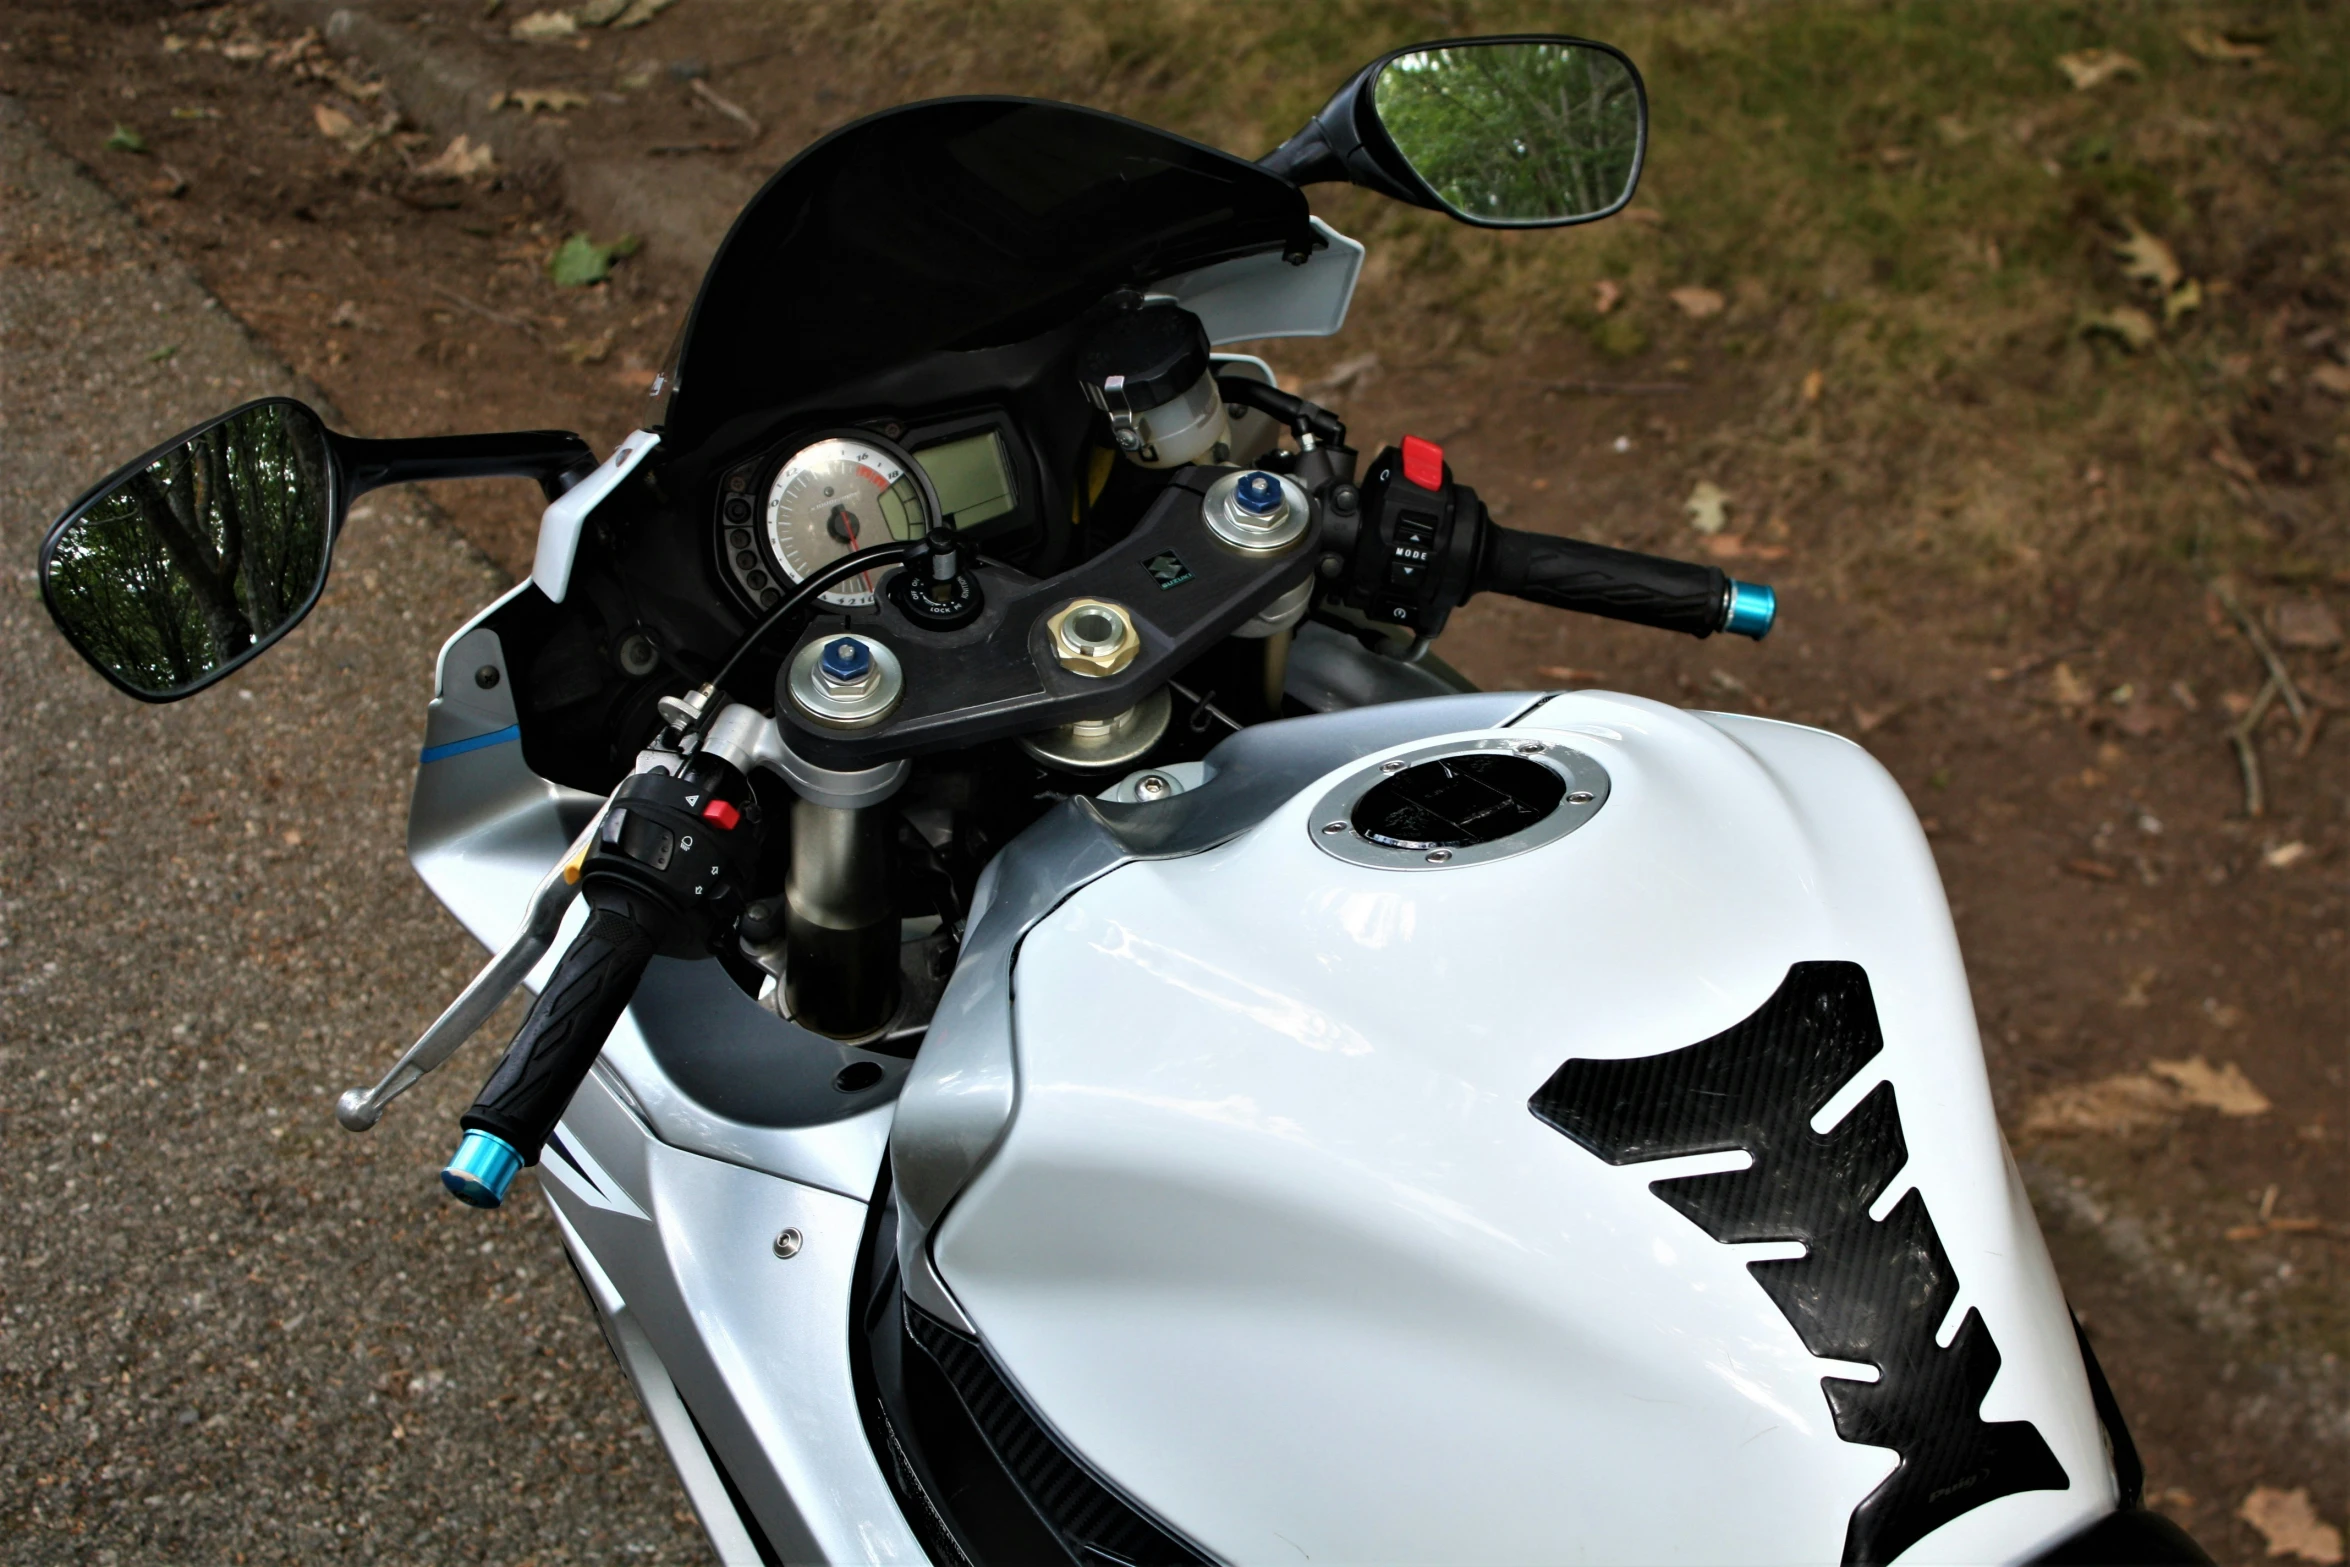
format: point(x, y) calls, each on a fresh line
point(840, 927)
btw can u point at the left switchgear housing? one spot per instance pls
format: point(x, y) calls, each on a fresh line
point(689, 841)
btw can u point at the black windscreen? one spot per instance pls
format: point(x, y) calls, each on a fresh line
point(961, 223)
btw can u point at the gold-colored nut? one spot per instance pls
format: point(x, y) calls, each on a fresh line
point(1094, 638)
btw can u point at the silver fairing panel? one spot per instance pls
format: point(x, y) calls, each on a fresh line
point(670, 1205)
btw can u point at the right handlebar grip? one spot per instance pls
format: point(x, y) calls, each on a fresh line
point(1648, 590)
point(527, 1094)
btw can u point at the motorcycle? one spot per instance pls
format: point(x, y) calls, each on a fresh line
point(1076, 1038)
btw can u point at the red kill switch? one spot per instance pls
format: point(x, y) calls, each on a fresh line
point(1423, 463)
point(721, 815)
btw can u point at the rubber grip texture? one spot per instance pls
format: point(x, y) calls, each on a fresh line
point(1648, 590)
point(565, 1032)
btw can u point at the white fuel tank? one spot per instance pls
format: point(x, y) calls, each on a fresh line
point(1636, 1197)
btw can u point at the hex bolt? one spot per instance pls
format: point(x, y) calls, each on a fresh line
point(1334, 827)
point(1439, 856)
point(1150, 787)
point(1391, 767)
point(1531, 748)
point(787, 1244)
point(1581, 797)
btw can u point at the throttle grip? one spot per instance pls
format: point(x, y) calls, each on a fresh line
point(1648, 590)
point(526, 1095)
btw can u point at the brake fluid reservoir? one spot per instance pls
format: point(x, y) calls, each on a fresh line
point(1147, 367)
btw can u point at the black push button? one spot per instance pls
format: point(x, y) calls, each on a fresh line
point(645, 841)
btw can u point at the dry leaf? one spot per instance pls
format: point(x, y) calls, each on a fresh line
point(1697, 303)
point(545, 26)
point(2110, 1107)
point(2331, 378)
point(599, 13)
point(2206, 44)
point(2224, 1088)
point(589, 350)
point(1708, 507)
point(2087, 68)
point(1732, 546)
point(1814, 383)
point(2126, 324)
point(2304, 622)
point(2291, 1525)
point(1345, 377)
point(2146, 259)
point(2187, 296)
point(534, 100)
point(2285, 855)
point(1606, 294)
point(340, 128)
point(2234, 464)
point(460, 160)
point(640, 12)
point(1871, 719)
point(2069, 689)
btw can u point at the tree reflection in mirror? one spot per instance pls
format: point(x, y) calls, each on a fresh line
point(1506, 133)
point(196, 560)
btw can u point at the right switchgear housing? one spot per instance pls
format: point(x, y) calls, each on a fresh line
point(1417, 543)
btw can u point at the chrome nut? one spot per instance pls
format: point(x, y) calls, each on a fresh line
point(1094, 638)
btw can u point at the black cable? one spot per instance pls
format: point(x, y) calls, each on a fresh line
point(1302, 417)
point(805, 594)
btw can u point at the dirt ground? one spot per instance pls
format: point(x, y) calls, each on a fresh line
point(2159, 973)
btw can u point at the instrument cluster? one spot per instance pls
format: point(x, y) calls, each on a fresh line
point(821, 494)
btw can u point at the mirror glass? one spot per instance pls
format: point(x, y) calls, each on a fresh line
point(1536, 132)
point(202, 554)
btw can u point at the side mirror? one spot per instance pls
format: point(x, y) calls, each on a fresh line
point(1510, 132)
point(185, 564)
point(191, 560)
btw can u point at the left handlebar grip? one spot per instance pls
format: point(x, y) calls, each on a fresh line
point(518, 1107)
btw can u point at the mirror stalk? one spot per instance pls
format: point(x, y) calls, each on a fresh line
point(557, 459)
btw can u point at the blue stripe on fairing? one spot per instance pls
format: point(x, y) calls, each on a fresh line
point(437, 753)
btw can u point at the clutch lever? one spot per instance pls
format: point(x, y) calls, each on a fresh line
point(360, 1108)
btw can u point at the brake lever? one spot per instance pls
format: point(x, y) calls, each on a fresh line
point(360, 1108)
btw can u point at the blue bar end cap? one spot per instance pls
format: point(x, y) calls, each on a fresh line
point(482, 1169)
point(1752, 609)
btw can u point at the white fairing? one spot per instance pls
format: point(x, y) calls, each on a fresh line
point(567, 514)
point(1274, 1241)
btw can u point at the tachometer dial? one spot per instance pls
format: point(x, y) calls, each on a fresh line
point(841, 494)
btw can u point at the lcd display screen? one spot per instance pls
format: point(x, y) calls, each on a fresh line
point(973, 481)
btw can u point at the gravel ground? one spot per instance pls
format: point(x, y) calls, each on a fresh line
point(228, 1330)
